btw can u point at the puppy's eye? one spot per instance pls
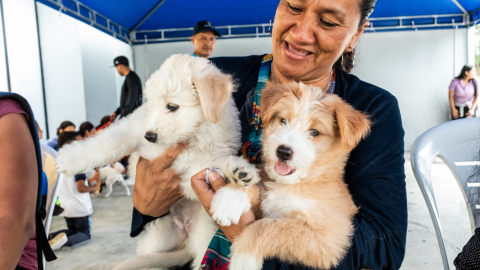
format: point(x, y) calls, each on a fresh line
point(314, 133)
point(283, 121)
point(172, 107)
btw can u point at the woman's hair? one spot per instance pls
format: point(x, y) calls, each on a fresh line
point(366, 8)
point(84, 127)
point(104, 120)
point(64, 125)
point(465, 69)
point(67, 137)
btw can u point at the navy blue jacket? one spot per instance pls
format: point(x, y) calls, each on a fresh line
point(374, 172)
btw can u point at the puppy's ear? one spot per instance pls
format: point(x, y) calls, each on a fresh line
point(353, 125)
point(271, 94)
point(214, 91)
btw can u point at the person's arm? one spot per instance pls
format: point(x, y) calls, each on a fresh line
point(18, 188)
point(452, 104)
point(471, 112)
point(81, 187)
point(157, 188)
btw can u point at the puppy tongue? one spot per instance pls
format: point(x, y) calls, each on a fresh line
point(282, 168)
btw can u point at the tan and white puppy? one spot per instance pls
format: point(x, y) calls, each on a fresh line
point(110, 176)
point(188, 100)
point(307, 209)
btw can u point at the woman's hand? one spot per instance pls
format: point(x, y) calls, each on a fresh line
point(455, 113)
point(205, 194)
point(471, 113)
point(157, 186)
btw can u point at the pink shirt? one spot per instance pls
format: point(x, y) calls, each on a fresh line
point(462, 93)
point(28, 260)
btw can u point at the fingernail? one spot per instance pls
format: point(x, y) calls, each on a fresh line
point(212, 177)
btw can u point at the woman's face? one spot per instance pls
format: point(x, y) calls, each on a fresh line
point(471, 74)
point(310, 35)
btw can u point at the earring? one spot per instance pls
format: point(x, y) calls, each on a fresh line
point(342, 63)
point(270, 27)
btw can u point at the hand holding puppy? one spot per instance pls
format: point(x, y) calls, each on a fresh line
point(205, 195)
point(157, 186)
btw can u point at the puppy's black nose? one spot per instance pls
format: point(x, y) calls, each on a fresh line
point(151, 137)
point(284, 153)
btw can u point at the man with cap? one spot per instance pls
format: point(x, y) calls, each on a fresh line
point(131, 97)
point(204, 38)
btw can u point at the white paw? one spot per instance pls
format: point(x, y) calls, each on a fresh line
point(228, 205)
point(244, 261)
point(237, 170)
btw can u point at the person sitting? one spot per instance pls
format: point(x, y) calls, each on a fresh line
point(462, 94)
point(76, 202)
point(87, 130)
point(64, 126)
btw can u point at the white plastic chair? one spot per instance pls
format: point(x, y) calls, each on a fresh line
point(457, 143)
point(54, 181)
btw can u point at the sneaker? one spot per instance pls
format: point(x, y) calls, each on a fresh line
point(58, 241)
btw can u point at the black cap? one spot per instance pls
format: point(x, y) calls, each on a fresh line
point(205, 26)
point(120, 60)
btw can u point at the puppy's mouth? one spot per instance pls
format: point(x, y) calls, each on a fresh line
point(283, 169)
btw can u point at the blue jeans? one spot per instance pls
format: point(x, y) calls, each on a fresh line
point(78, 231)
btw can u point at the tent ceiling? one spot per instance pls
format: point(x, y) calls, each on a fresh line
point(185, 13)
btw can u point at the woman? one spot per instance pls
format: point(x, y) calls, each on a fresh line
point(462, 94)
point(64, 126)
point(313, 42)
point(87, 130)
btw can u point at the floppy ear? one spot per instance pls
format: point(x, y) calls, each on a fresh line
point(271, 94)
point(214, 91)
point(353, 125)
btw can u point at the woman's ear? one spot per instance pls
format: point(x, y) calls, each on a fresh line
point(214, 91)
point(358, 34)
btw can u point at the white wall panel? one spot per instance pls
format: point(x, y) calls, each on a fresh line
point(417, 68)
point(3, 64)
point(23, 53)
point(62, 65)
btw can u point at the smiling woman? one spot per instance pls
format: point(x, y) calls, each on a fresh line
point(313, 41)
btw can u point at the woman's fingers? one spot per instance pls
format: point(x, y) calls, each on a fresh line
point(216, 180)
point(168, 157)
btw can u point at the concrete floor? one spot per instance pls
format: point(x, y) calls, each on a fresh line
point(111, 243)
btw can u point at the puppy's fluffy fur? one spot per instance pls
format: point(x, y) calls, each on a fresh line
point(189, 100)
point(307, 209)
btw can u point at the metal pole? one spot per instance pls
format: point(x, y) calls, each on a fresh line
point(41, 73)
point(5, 48)
point(146, 59)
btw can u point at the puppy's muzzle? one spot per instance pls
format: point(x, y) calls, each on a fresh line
point(151, 137)
point(284, 153)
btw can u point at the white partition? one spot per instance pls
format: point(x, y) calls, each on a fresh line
point(23, 54)
point(62, 67)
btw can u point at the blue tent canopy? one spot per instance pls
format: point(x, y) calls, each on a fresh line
point(143, 16)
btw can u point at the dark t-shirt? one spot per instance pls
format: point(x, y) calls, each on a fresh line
point(131, 97)
point(374, 172)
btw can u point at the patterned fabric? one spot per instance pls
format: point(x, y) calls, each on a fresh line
point(217, 256)
point(469, 258)
point(251, 149)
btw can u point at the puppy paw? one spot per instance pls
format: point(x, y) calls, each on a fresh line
point(243, 261)
point(238, 171)
point(228, 205)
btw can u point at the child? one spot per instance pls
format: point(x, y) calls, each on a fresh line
point(75, 199)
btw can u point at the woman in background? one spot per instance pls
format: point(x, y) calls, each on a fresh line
point(462, 93)
point(64, 126)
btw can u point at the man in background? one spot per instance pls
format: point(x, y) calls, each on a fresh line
point(204, 38)
point(131, 97)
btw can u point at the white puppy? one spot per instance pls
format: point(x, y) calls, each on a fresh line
point(110, 176)
point(189, 100)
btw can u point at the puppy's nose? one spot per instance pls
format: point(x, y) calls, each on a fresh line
point(151, 136)
point(284, 153)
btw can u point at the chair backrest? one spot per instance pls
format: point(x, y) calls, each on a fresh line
point(457, 143)
point(54, 181)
